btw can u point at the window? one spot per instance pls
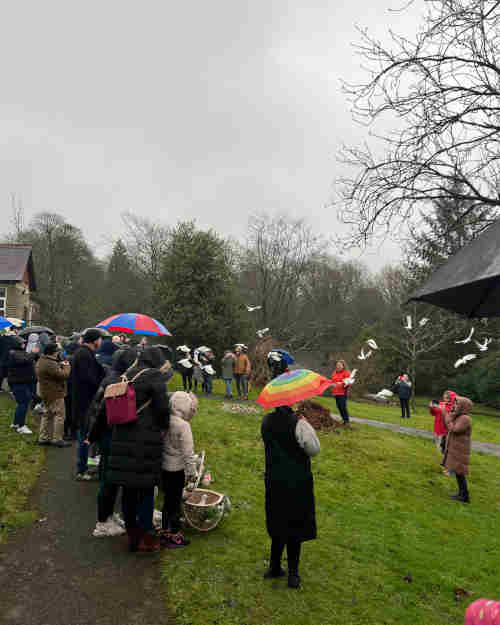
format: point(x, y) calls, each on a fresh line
point(3, 301)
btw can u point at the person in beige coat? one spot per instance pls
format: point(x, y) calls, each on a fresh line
point(52, 375)
point(178, 466)
point(458, 444)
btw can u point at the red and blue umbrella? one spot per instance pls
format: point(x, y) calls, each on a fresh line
point(134, 323)
point(5, 323)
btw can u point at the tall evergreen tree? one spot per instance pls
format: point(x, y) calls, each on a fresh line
point(125, 290)
point(196, 295)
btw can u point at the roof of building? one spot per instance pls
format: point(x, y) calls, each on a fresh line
point(15, 258)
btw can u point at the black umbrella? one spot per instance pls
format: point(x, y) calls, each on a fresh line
point(35, 330)
point(104, 333)
point(469, 282)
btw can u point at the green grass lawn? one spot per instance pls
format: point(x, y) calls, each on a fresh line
point(382, 511)
point(20, 463)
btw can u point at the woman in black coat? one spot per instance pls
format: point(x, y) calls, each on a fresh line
point(289, 442)
point(136, 447)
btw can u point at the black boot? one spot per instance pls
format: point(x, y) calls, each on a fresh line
point(275, 569)
point(463, 492)
point(293, 579)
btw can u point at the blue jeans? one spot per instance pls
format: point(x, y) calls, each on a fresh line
point(23, 394)
point(229, 387)
point(82, 450)
point(241, 384)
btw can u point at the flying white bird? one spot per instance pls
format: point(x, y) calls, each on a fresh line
point(183, 348)
point(209, 369)
point(483, 347)
point(252, 308)
point(423, 321)
point(185, 362)
point(408, 322)
point(261, 333)
point(372, 344)
point(467, 340)
point(364, 356)
point(351, 379)
point(385, 393)
point(466, 358)
point(203, 349)
point(274, 356)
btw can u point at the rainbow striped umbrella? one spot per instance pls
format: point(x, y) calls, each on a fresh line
point(134, 323)
point(292, 387)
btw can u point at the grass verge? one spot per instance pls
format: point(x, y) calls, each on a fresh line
point(383, 515)
point(20, 464)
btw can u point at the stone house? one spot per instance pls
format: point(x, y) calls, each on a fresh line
point(17, 282)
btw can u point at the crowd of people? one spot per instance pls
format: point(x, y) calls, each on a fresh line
point(80, 384)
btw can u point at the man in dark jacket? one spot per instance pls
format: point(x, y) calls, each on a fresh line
point(7, 342)
point(403, 389)
point(86, 376)
point(21, 378)
point(136, 447)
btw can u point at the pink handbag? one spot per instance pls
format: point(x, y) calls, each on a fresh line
point(121, 406)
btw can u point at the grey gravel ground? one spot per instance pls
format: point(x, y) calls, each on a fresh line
point(56, 573)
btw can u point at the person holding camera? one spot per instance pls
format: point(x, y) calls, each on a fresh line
point(52, 374)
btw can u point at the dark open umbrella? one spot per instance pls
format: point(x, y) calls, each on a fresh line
point(36, 330)
point(469, 282)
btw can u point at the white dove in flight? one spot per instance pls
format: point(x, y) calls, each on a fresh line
point(408, 322)
point(183, 348)
point(372, 344)
point(185, 362)
point(423, 321)
point(467, 340)
point(466, 358)
point(483, 347)
point(351, 379)
point(252, 308)
point(364, 356)
point(261, 333)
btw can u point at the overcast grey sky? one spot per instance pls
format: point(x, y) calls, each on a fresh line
point(205, 110)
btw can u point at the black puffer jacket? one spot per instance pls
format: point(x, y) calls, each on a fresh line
point(136, 448)
point(21, 365)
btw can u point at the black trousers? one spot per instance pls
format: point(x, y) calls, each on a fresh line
point(341, 401)
point(463, 491)
point(405, 408)
point(292, 554)
point(187, 381)
point(172, 483)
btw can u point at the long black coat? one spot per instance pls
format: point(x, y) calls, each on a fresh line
point(86, 376)
point(290, 513)
point(136, 448)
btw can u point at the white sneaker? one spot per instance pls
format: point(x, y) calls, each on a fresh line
point(119, 529)
point(108, 528)
point(24, 430)
point(118, 520)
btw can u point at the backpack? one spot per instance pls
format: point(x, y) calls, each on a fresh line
point(121, 406)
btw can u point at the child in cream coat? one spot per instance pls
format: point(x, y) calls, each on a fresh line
point(178, 466)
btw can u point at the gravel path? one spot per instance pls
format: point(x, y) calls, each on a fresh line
point(486, 448)
point(56, 573)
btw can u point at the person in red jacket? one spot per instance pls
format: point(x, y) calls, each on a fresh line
point(340, 389)
point(440, 431)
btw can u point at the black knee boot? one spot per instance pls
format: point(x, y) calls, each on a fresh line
point(293, 555)
point(463, 492)
point(275, 569)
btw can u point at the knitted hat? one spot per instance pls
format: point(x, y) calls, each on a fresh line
point(92, 335)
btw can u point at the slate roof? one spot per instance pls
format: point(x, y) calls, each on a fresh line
point(469, 282)
point(14, 259)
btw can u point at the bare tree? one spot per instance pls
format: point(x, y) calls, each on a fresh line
point(278, 254)
point(146, 243)
point(440, 93)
